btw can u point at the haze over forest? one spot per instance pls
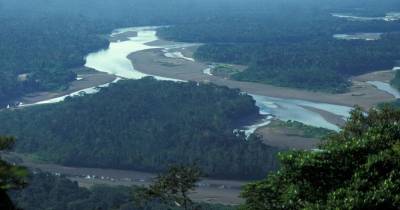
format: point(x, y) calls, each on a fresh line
point(199, 104)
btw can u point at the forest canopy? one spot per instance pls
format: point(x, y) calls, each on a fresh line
point(293, 47)
point(358, 168)
point(146, 125)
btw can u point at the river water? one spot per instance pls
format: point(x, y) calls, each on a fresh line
point(114, 61)
point(386, 87)
point(391, 16)
point(359, 36)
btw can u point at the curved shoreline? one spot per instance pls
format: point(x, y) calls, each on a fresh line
point(368, 95)
point(137, 52)
point(88, 78)
point(152, 61)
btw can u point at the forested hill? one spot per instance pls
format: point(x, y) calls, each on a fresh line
point(145, 125)
point(294, 46)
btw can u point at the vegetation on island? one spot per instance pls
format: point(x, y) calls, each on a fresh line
point(358, 168)
point(299, 129)
point(146, 125)
point(224, 70)
point(292, 48)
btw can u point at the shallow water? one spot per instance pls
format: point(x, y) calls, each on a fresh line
point(250, 129)
point(359, 36)
point(207, 71)
point(391, 16)
point(177, 55)
point(386, 87)
point(296, 110)
point(114, 61)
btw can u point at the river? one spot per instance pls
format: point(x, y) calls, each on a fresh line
point(386, 87)
point(391, 16)
point(114, 61)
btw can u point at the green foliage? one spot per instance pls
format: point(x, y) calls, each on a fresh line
point(302, 129)
point(293, 47)
point(146, 125)
point(358, 168)
point(42, 42)
point(320, 63)
point(11, 176)
point(172, 187)
point(40, 53)
point(225, 71)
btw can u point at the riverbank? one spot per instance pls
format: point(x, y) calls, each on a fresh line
point(153, 62)
point(87, 78)
point(137, 52)
point(208, 190)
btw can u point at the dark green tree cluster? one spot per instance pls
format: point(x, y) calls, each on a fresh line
point(358, 168)
point(40, 54)
point(146, 125)
point(12, 177)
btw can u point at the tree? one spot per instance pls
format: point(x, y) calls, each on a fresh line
point(358, 168)
point(172, 188)
point(11, 176)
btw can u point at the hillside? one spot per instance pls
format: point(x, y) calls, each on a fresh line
point(145, 125)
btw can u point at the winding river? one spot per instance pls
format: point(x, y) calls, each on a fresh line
point(114, 61)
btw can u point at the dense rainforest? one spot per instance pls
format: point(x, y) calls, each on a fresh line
point(357, 168)
point(40, 54)
point(145, 125)
point(148, 125)
point(42, 42)
point(292, 47)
